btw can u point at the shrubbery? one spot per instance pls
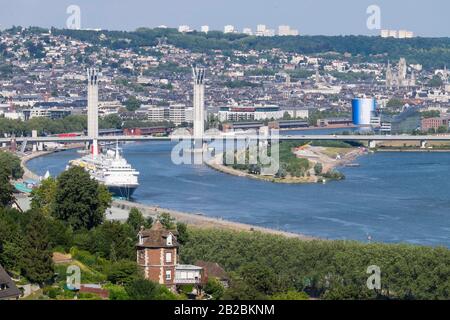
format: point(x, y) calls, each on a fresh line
point(264, 265)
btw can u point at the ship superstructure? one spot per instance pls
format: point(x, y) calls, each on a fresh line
point(111, 169)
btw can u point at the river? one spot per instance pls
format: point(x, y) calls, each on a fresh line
point(391, 197)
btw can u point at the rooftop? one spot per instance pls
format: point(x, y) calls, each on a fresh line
point(8, 289)
point(157, 237)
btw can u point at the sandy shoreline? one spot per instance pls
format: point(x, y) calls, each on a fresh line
point(194, 220)
point(204, 222)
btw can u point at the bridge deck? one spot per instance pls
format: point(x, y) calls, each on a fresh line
point(240, 137)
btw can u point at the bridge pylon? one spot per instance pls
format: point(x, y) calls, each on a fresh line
point(92, 112)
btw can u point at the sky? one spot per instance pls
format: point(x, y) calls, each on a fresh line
point(310, 17)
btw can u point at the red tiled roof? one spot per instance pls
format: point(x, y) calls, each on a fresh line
point(213, 269)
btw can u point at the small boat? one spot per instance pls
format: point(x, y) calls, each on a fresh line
point(353, 165)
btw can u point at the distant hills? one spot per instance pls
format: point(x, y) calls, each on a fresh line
point(430, 52)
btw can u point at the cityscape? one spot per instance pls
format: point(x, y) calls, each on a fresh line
point(242, 164)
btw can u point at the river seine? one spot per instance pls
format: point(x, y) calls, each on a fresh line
point(391, 197)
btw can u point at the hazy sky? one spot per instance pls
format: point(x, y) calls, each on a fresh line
point(328, 17)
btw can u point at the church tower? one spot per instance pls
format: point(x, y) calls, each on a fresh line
point(389, 76)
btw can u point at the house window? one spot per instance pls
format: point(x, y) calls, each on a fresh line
point(168, 257)
point(169, 240)
point(168, 275)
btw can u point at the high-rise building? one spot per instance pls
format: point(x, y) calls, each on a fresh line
point(247, 31)
point(184, 29)
point(229, 29)
point(177, 114)
point(385, 33)
point(155, 113)
point(263, 31)
point(393, 33)
point(287, 31)
point(400, 34)
point(405, 34)
point(284, 31)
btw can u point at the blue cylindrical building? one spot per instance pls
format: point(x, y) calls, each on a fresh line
point(363, 110)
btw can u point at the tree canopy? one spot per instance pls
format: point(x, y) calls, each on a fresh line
point(265, 265)
point(37, 256)
point(11, 163)
point(78, 200)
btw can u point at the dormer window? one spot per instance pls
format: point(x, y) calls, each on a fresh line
point(141, 239)
point(169, 240)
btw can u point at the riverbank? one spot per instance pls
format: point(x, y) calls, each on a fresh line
point(413, 150)
point(28, 174)
point(198, 220)
point(330, 158)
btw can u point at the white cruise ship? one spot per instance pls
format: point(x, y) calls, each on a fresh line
point(112, 170)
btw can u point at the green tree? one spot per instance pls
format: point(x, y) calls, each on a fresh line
point(123, 272)
point(111, 121)
point(430, 114)
point(12, 164)
point(43, 197)
point(11, 256)
point(117, 293)
point(60, 234)
point(183, 234)
point(113, 240)
point(259, 277)
point(80, 200)
point(132, 104)
point(442, 129)
point(136, 220)
point(38, 265)
point(141, 289)
point(323, 269)
point(287, 116)
point(11, 239)
point(214, 288)
point(318, 169)
point(6, 188)
point(436, 82)
point(167, 221)
point(290, 296)
point(241, 290)
point(395, 103)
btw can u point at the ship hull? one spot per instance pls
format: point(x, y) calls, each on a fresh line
point(123, 192)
